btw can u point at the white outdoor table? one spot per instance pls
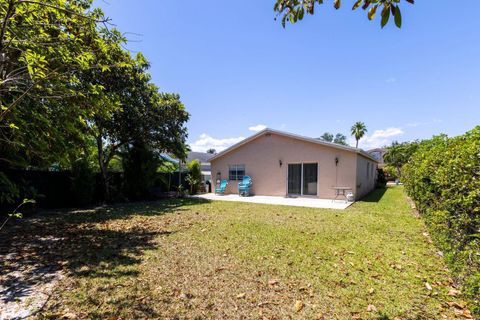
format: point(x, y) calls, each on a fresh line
point(341, 192)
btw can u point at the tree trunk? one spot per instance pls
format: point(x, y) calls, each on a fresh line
point(399, 173)
point(356, 146)
point(103, 169)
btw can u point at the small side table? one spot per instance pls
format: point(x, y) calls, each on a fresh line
point(341, 192)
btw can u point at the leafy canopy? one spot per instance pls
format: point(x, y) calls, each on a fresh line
point(295, 10)
point(44, 46)
point(398, 154)
point(66, 82)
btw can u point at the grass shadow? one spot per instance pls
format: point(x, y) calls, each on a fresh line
point(374, 196)
point(124, 210)
point(33, 250)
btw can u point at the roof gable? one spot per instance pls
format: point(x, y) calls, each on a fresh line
point(295, 137)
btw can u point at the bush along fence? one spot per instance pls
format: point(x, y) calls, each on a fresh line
point(63, 189)
point(443, 178)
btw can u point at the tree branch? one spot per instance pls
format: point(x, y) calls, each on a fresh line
point(63, 9)
point(5, 23)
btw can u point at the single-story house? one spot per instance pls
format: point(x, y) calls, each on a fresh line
point(285, 164)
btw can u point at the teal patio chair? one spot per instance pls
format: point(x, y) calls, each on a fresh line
point(244, 186)
point(222, 187)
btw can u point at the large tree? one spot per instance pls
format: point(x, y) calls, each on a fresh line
point(134, 111)
point(327, 136)
point(65, 80)
point(295, 10)
point(338, 138)
point(44, 45)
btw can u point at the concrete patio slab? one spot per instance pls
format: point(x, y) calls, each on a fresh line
point(294, 202)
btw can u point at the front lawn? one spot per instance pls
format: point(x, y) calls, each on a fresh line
point(187, 259)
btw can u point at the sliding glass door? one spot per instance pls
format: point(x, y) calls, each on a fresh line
point(295, 179)
point(310, 175)
point(302, 179)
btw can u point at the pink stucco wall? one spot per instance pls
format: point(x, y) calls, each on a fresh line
point(366, 179)
point(262, 157)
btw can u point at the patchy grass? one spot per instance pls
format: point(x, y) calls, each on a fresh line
point(200, 260)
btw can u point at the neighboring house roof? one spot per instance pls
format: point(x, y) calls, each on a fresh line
point(200, 156)
point(382, 150)
point(203, 157)
point(297, 137)
point(378, 153)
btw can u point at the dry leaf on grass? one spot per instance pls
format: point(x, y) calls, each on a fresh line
point(467, 314)
point(428, 286)
point(299, 306)
point(241, 295)
point(371, 308)
point(320, 316)
point(457, 305)
point(464, 313)
point(453, 292)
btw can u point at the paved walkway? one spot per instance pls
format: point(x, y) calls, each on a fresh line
point(26, 284)
point(295, 202)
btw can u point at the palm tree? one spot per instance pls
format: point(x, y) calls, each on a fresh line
point(399, 154)
point(394, 156)
point(358, 131)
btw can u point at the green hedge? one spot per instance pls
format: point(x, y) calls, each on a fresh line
point(443, 178)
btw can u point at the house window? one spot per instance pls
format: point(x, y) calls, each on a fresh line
point(236, 172)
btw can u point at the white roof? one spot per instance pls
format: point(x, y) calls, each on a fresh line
point(294, 136)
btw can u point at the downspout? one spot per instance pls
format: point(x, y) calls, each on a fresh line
point(356, 176)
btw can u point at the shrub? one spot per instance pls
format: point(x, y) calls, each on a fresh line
point(194, 176)
point(443, 178)
point(140, 168)
point(14, 190)
point(390, 173)
point(381, 180)
point(83, 182)
point(9, 192)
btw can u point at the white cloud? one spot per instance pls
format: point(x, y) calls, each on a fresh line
point(391, 80)
point(205, 142)
point(378, 139)
point(258, 127)
point(387, 133)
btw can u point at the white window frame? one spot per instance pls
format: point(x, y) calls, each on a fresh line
point(236, 166)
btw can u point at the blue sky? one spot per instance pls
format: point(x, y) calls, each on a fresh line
point(238, 70)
